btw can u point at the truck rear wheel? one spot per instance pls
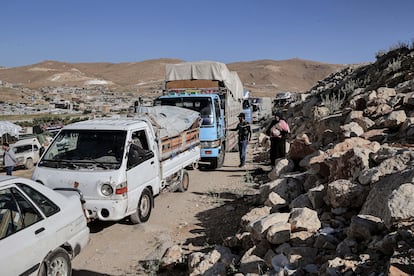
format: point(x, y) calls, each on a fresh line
point(219, 161)
point(144, 207)
point(184, 183)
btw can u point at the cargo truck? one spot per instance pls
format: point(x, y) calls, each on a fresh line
point(209, 88)
point(121, 164)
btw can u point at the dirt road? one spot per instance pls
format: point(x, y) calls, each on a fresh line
point(204, 215)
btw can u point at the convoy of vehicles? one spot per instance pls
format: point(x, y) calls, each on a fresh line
point(118, 165)
point(261, 109)
point(41, 230)
point(121, 164)
point(283, 99)
point(214, 91)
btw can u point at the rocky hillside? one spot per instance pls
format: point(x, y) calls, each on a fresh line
point(377, 96)
point(263, 78)
point(342, 202)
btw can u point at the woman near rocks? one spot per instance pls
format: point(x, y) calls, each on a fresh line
point(277, 131)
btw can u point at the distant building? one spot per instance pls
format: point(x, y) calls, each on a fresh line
point(105, 108)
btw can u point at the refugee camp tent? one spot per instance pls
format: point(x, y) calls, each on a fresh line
point(8, 129)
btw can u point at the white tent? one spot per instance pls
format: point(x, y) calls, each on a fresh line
point(10, 128)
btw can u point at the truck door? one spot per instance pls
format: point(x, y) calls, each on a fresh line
point(219, 118)
point(142, 170)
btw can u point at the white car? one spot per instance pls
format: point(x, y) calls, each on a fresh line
point(41, 230)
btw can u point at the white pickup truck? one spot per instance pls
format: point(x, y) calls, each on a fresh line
point(120, 164)
point(27, 151)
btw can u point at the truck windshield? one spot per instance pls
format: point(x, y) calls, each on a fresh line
point(202, 105)
point(74, 149)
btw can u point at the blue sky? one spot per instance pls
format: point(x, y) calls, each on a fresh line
point(332, 31)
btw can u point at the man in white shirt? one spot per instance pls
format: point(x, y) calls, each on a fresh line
point(9, 158)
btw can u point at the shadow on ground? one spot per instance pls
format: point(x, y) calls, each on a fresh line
point(218, 223)
point(83, 272)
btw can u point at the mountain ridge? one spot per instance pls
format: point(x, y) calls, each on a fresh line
point(262, 77)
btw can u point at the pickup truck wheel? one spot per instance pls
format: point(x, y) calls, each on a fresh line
point(184, 183)
point(57, 263)
point(29, 163)
point(144, 208)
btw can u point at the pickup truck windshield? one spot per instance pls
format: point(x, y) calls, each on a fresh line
point(73, 149)
point(202, 105)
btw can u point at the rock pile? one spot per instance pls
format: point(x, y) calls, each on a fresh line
point(342, 202)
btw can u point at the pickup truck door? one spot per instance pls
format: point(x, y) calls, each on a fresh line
point(142, 166)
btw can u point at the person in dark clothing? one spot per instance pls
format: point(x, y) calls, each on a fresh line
point(277, 131)
point(244, 133)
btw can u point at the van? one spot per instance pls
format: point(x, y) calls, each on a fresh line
point(121, 164)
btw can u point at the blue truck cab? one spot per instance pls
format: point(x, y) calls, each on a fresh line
point(213, 126)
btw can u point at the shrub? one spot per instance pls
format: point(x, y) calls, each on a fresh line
point(334, 102)
point(380, 54)
point(399, 45)
point(394, 65)
point(350, 86)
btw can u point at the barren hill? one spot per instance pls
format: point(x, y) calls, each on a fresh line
point(267, 77)
point(262, 77)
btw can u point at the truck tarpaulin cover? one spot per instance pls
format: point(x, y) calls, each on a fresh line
point(171, 120)
point(206, 70)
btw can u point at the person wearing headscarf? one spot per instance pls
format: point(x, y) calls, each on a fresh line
point(277, 131)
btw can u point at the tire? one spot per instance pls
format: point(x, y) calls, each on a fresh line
point(221, 158)
point(144, 207)
point(193, 166)
point(184, 183)
point(219, 161)
point(29, 163)
point(57, 263)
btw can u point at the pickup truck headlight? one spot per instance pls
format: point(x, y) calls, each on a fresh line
point(107, 190)
point(210, 144)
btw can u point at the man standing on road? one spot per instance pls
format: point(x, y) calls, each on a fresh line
point(245, 134)
point(9, 158)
